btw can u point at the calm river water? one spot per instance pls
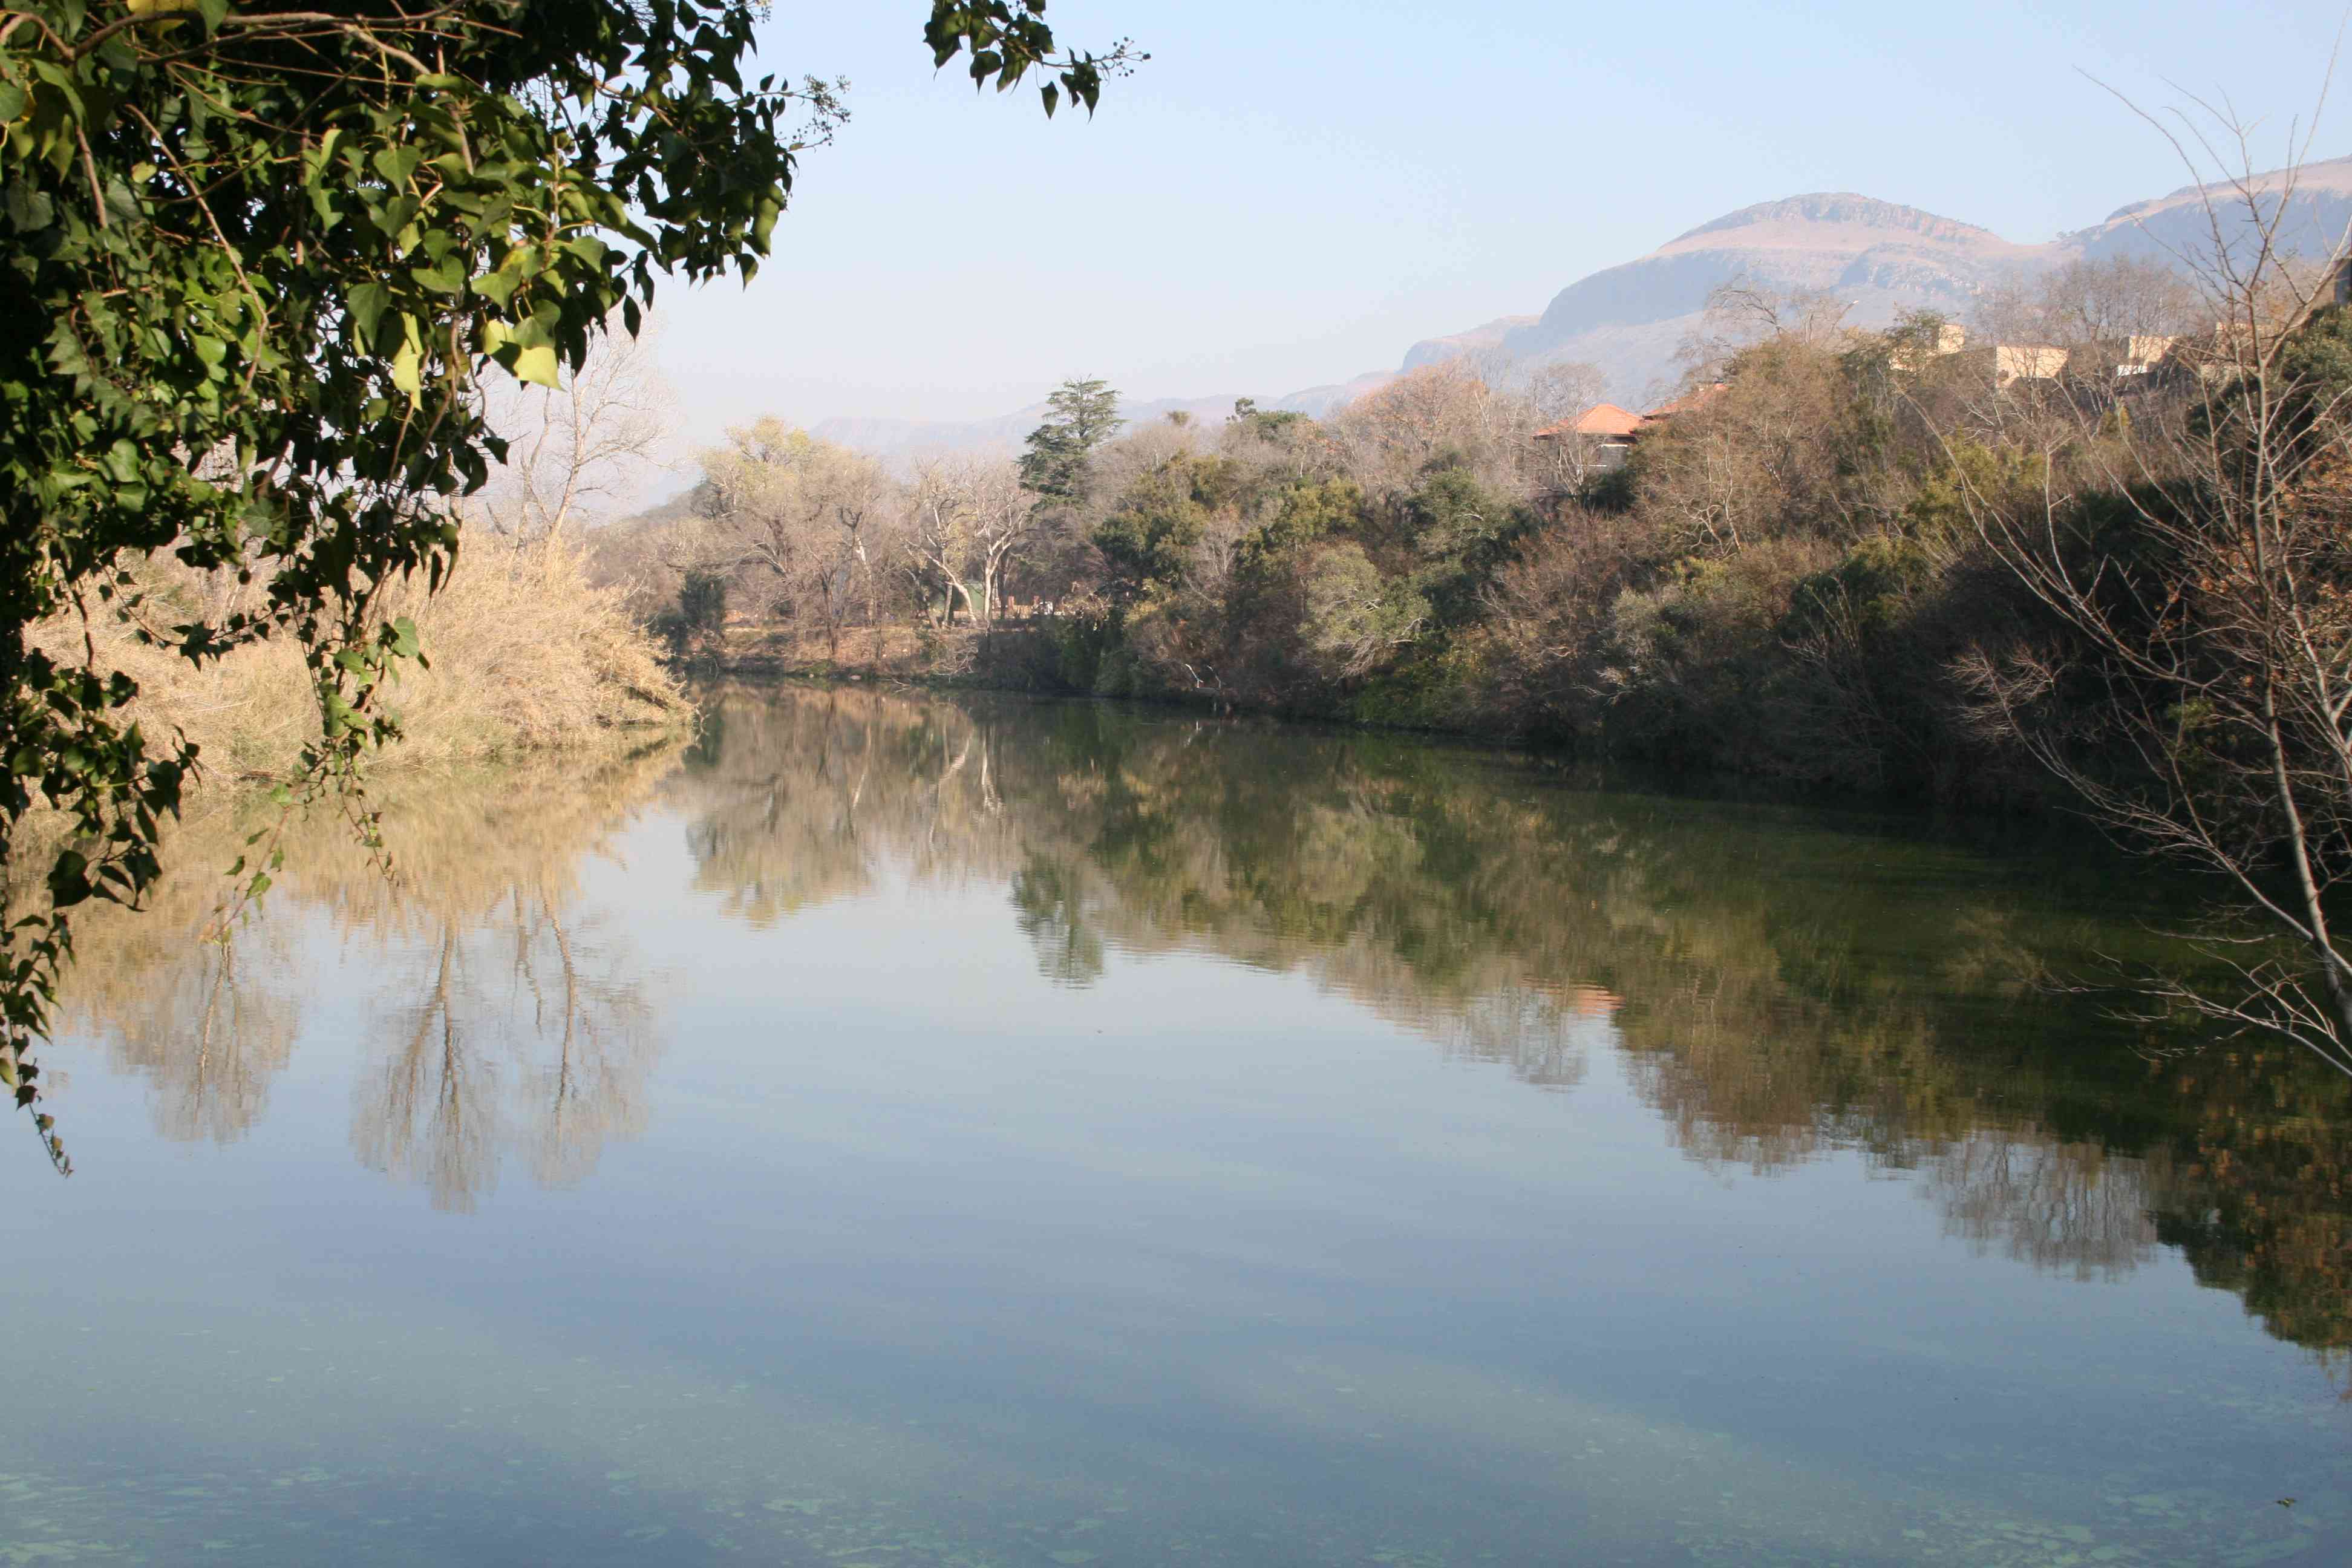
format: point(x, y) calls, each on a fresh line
point(894, 1132)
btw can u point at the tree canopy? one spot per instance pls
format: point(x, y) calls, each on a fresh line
point(257, 257)
point(1081, 414)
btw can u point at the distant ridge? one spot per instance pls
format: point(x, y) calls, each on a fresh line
point(1844, 208)
point(1437, 351)
point(1882, 258)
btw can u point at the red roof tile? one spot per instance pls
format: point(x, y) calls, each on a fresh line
point(1601, 419)
point(1688, 402)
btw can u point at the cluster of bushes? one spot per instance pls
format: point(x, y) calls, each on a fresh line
point(1791, 575)
point(1787, 577)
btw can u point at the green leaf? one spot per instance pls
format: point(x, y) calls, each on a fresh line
point(396, 164)
point(406, 370)
point(538, 365)
point(368, 302)
point(30, 211)
point(68, 878)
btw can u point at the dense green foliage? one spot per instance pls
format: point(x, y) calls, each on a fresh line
point(257, 258)
point(1081, 414)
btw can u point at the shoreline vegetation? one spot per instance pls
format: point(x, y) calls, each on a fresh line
point(2085, 550)
point(252, 325)
point(1787, 576)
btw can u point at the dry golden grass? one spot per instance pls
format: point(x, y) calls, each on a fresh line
point(526, 655)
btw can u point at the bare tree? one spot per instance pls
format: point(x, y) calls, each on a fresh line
point(1565, 459)
point(2093, 300)
point(940, 536)
point(2218, 633)
point(792, 513)
point(579, 445)
point(1005, 521)
point(1562, 389)
point(1388, 439)
point(971, 520)
point(1742, 313)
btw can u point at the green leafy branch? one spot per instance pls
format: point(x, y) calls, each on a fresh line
point(254, 260)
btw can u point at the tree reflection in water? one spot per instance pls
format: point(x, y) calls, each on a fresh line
point(1779, 988)
point(210, 1032)
point(1775, 986)
point(500, 1025)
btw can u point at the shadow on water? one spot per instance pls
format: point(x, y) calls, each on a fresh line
point(1778, 983)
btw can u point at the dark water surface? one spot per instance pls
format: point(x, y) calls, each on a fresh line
point(897, 1132)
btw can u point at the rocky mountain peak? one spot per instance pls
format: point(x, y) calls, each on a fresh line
point(1840, 210)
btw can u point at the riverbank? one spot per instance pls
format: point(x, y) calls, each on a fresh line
point(1050, 658)
point(526, 662)
point(522, 654)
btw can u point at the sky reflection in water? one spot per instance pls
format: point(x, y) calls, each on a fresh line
point(899, 1132)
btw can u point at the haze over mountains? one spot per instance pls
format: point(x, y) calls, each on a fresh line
point(1630, 320)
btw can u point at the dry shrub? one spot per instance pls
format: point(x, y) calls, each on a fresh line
point(1549, 608)
point(526, 654)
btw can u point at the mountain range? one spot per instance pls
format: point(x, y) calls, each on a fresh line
point(1880, 257)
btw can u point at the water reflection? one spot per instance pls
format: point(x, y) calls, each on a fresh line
point(499, 1019)
point(210, 1031)
point(1775, 986)
point(522, 1038)
point(1778, 987)
point(2057, 1205)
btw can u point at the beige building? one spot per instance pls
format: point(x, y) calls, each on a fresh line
point(2134, 355)
point(1950, 339)
point(2027, 362)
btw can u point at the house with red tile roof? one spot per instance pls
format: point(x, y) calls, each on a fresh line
point(1595, 441)
point(1602, 419)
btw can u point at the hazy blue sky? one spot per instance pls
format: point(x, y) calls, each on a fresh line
point(1293, 191)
